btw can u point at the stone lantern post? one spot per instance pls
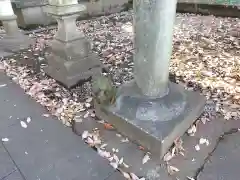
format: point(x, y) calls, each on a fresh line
point(13, 40)
point(70, 59)
point(151, 110)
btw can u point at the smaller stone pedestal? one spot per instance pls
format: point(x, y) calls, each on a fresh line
point(13, 40)
point(70, 59)
point(153, 122)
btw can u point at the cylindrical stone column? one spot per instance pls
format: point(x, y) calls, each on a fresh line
point(153, 26)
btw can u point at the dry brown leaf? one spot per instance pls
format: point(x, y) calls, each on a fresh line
point(108, 126)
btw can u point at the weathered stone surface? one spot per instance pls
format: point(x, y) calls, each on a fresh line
point(13, 40)
point(71, 72)
point(153, 123)
point(70, 59)
point(224, 163)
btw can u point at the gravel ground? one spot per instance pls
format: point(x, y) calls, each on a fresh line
point(206, 58)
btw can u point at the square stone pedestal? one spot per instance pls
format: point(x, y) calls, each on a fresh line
point(153, 123)
point(13, 40)
point(70, 58)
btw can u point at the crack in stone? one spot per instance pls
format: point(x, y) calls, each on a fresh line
point(226, 133)
point(4, 177)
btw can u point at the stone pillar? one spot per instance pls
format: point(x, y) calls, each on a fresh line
point(70, 59)
point(153, 44)
point(151, 110)
point(13, 40)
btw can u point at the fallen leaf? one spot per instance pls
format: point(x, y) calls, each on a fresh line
point(3, 85)
point(172, 170)
point(103, 153)
point(146, 158)
point(88, 105)
point(85, 134)
point(141, 148)
point(89, 99)
point(134, 176)
point(197, 147)
point(192, 130)
point(103, 146)
point(90, 141)
point(125, 165)
point(114, 165)
point(125, 140)
point(167, 157)
point(203, 141)
point(2, 66)
point(190, 178)
point(126, 175)
point(108, 126)
point(118, 135)
point(86, 115)
point(46, 115)
point(5, 139)
point(120, 161)
point(23, 124)
point(29, 120)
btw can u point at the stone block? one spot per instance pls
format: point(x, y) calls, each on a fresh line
point(65, 9)
point(70, 73)
point(73, 50)
point(153, 122)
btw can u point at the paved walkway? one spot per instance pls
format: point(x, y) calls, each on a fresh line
point(45, 150)
point(225, 162)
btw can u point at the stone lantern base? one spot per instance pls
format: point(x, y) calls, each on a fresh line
point(155, 122)
point(13, 40)
point(70, 58)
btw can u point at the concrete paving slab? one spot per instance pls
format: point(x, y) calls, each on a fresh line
point(46, 149)
point(225, 161)
point(14, 176)
point(131, 152)
point(193, 160)
point(6, 164)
